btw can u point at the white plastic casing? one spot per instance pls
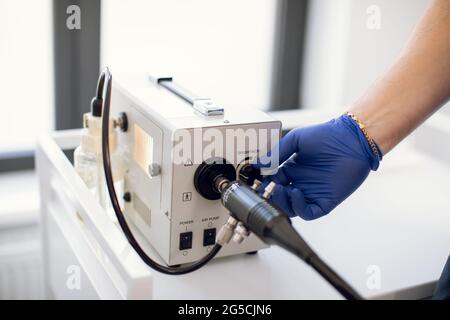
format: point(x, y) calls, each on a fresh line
point(167, 204)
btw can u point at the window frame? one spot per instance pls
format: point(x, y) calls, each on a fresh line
point(290, 27)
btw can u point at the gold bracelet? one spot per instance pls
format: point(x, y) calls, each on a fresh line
point(364, 131)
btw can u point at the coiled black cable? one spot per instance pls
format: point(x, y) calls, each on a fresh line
point(105, 85)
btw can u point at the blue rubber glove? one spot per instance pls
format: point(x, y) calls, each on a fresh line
point(321, 166)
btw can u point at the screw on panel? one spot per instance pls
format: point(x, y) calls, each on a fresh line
point(154, 169)
point(122, 122)
point(127, 197)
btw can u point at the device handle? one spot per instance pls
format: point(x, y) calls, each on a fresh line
point(205, 106)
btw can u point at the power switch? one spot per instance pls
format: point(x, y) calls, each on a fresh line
point(209, 237)
point(186, 240)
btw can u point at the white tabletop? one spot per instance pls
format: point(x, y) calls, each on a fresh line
point(398, 221)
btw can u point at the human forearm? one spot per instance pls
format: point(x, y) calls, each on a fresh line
point(415, 86)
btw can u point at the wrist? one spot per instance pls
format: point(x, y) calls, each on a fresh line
point(372, 144)
point(376, 126)
point(370, 148)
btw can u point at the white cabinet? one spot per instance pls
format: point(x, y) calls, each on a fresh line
point(85, 254)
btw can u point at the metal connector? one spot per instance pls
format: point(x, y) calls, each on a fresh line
point(221, 183)
point(256, 184)
point(269, 190)
point(240, 233)
point(227, 231)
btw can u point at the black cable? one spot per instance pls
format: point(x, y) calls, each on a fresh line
point(106, 80)
point(97, 101)
point(333, 278)
point(274, 227)
point(282, 233)
point(100, 85)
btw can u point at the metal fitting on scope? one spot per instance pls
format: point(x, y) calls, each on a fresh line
point(240, 233)
point(268, 191)
point(235, 229)
point(221, 183)
point(256, 184)
point(227, 231)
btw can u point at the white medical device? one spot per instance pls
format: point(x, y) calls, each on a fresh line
point(168, 136)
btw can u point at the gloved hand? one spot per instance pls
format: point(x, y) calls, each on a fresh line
point(321, 166)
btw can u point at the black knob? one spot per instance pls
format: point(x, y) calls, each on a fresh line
point(207, 173)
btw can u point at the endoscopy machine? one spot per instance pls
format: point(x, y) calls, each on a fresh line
point(172, 199)
point(188, 207)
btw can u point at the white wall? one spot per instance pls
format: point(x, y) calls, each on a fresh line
point(222, 49)
point(344, 56)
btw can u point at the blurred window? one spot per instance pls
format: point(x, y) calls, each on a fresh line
point(243, 54)
point(26, 79)
point(26, 73)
